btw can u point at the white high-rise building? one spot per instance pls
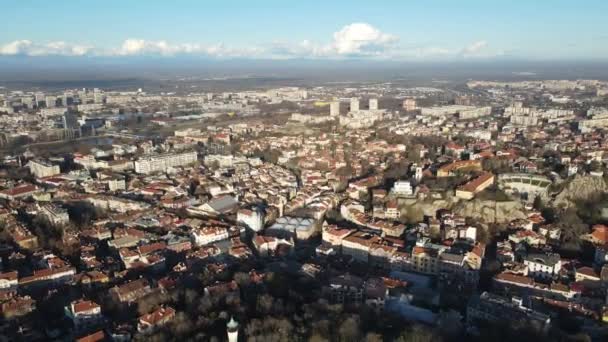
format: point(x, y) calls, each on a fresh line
point(354, 104)
point(39, 97)
point(409, 104)
point(50, 101)
point(373, 104)
point(97, 96)
point(64, 99)
point(334, 108)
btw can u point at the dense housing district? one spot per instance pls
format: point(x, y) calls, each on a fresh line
point(324, 213)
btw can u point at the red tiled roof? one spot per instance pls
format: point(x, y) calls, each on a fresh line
point(460, 164)
point(94, 337)
point(20, 190)
point(84, 305)
point(147, 249)
point(514, 278)
point(600, 233)
point(9, 275)
point(475, 183)
point(587, 271)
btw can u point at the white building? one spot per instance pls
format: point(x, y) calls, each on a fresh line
point(474, 112)
point(54, 214)
point(90, 107)
point(334, 108)
point(208, 235)
point(373, 104)
point(46, 112)
point(524, 120)
point(162, 162)
point(307, 118)
point(97, 96)
point(361, 118)
point(409, 104)
point(543, 265)
point(403, 188)
point(39, 97)
point(116, 184)
point(354, 104)
point(84, 314)
point(42, 169)
point(469, 233)
point(254, 219)
point(50, 101)
point(590, 124)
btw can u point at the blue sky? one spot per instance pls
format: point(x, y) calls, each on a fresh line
point(334, 29)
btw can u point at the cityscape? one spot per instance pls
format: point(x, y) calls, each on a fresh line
point(352, 190)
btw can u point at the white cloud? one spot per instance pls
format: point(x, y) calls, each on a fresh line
point(362, 39)
point(131, 47)
point(475, 49)
point(17, 47)
point(144, 47)
point(353, 40)
point(29, 48)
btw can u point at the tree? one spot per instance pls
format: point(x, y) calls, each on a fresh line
point(349, 330)
point(18, 143)
point(413, 154)
point(242, 279)
point(417, 333)
point(316, 337)
point(373, 337)
point(538, 203)
point(345, 171)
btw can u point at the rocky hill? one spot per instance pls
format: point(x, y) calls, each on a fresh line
point(485, 211)
point(580, 188)
point(488, 211)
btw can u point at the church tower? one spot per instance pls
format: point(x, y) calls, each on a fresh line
point(232, 329)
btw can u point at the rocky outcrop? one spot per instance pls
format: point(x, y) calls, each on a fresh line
point(488, 211)
point(415, 210)
point(484, 211)
point(580, 188)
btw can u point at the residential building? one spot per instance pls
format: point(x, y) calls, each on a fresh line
point(131, 291)
point(162, 162)
point(403, 187)
point(334, 108)
point(41, 168)
point(159, 317)
point(252, 218)
point(84, 314)
point(468, 190)
point(56, 215)
point(354, 104)
point(373, 104)
point(496, 309)
point(543, 265)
